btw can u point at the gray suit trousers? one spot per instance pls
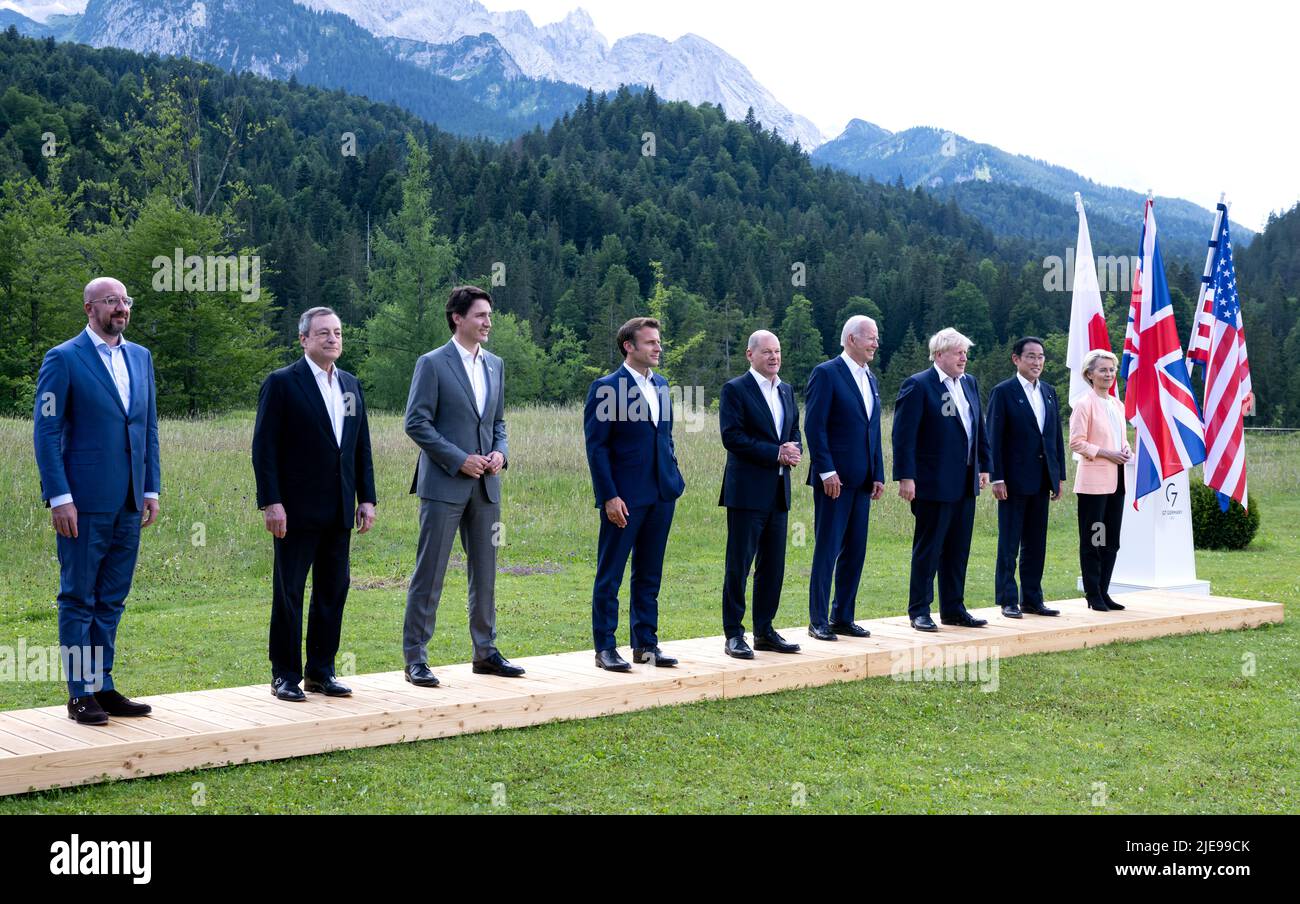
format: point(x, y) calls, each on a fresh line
point(475, 519)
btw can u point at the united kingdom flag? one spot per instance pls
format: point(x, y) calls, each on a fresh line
point(1158, 398)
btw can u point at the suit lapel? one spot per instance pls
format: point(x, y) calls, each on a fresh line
point(847, 376)
point(458, 368)
point(91, 359)
point(756, 396)
point(347, 385)
point(311, 389)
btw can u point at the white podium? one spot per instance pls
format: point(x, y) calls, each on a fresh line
point(1155, 544)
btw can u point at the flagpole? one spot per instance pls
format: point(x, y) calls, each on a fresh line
point(1219, 212)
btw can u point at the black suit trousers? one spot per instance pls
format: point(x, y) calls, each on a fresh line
point(325, 554)
point(1022, 534)
point(752, 535)
point(940, 545)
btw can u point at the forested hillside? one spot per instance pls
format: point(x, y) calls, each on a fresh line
point(629, 205)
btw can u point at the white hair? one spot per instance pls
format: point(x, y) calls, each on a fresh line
point(853, 325)
point(947, 339)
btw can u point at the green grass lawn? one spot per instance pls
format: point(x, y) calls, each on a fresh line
point(1173, 725)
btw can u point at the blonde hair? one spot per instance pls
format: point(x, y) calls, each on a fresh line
point(1090, 362)
point(947, 339)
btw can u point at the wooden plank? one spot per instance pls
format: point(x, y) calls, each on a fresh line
point(41, 748)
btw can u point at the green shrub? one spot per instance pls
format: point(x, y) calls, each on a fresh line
point(1213, 528)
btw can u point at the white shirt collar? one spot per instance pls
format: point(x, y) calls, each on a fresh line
point(763, 381)
point(854, 366)
point(1029, 387)
point(316, 370)
point(648, 378)
point(465, 354)
point(943, 377)
point(100, 343)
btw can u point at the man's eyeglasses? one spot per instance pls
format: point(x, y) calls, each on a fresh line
point(112, 301)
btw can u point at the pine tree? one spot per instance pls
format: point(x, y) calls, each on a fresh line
point(409, 282)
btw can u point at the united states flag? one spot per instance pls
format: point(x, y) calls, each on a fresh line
point(1219, 345)
point(1158, 397)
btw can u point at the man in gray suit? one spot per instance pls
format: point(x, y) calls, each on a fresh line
point(456, 415)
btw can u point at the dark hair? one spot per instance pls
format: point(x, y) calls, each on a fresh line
point(627, 332)
point(461, 300)
point(1019, 348)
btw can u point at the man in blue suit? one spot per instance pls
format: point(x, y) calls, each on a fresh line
point(1028, 470)
point(941, 462)
point(842, 426)
point(628, 421)
point(96, 438)
point(760, 430)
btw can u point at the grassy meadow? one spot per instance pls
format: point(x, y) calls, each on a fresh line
point(1171, 725)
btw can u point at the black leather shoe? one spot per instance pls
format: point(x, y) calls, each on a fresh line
point(821, 632)
point(1012, 611)
point(1099, 605)
point(86, 711)
point(330, 687)
point(1111, 602)
point(737, 648)
point(774, 643)
point(420, 675)
point(850, 629)
point(610, 661)
point(924, 623)
point(115, 704)
point(1040, 609)
point(965, 621)
point(284, 689)
point(653, 654)
point(496, 664)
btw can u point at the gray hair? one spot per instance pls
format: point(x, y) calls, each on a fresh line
point(758, 336)
point(852, 326)
point(304, 322)
point(946, 340)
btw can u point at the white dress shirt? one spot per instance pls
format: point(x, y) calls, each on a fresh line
point(474, 362)
point(774, 404)
point(114, 358)
point(649, 391)
point(958, 395)
point(332, 394)
point(1034, 392)
point(861, 375)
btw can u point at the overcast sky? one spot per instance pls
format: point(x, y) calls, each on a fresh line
point(1188, 99)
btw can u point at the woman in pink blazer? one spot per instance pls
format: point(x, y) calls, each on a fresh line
point(1098, 436)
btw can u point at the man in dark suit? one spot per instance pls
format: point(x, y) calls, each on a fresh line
point(96, 437)
point(842, 425)
point(628, 422)
point(456, 414)
point(1027, 470)
point(311, 461)
point(941, 462)
point(760, 430)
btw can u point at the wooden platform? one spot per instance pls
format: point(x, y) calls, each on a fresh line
point(42, 748)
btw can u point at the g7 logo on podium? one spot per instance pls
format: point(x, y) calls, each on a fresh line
point(1171, 495)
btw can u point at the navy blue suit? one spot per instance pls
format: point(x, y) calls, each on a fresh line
point(1032, 464)
point(842, 439)
point(634, 459)
point(931, 447)
point(756, 493)
point(106, 457)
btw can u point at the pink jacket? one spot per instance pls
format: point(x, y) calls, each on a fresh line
point(1090, 431)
